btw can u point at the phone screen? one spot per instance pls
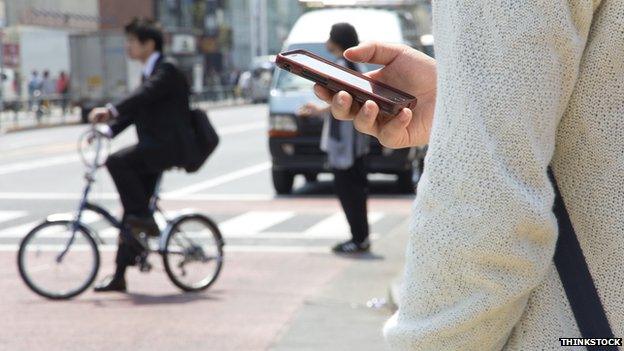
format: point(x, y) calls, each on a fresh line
point(345, 76)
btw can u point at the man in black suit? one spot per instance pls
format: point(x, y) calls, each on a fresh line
point(159, 109)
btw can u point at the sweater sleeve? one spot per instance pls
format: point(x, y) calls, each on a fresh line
point(483, 234)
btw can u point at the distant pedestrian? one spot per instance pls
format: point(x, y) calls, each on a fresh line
point(34, 87)
point(346, 149)
point(62, 89)
point(47, 84)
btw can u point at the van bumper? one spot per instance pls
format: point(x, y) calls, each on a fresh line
point(302, 154)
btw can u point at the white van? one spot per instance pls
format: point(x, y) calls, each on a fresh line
point(295, 142)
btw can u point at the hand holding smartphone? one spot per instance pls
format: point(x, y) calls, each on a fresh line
point(336, 78)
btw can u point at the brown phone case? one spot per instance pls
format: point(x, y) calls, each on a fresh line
point(386, 105)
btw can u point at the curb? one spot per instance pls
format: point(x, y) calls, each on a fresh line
point(394, 292)
point(350, 300)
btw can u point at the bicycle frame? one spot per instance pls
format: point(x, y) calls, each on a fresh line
point(86, 205)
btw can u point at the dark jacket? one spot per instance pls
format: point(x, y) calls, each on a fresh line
point(159, 109)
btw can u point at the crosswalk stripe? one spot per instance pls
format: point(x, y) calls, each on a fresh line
point(10, 215)
point(336, 225)
point(18, 231)
point(111, 233)
point(228, 248)
point(21, 230)
point(249, 225)
point(253, 222)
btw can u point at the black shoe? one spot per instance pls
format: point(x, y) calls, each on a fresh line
point(140, 224)
point(111, 283)
point(351, 247)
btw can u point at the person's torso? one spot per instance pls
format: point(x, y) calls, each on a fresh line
point(589, 167)
point(166, 120)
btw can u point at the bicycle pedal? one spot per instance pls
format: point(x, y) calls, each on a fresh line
point(145, 267)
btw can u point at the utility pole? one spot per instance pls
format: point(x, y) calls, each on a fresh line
point(263, 29)
point(258, 28)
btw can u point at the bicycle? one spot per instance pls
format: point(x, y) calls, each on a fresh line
point(60, 258)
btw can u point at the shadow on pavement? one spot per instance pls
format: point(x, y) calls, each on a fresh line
point(369, 256)
point(142, 299)
point(168, 299)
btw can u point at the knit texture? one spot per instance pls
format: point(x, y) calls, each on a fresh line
point(521, 84)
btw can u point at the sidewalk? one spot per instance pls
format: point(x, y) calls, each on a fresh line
point(338, 318)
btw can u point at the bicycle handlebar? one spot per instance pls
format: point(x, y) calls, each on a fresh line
point(94, 136)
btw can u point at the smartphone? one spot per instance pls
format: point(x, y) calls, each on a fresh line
point(335, 78)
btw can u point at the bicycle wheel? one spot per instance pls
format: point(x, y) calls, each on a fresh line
point(56, 262)
point(193, 255)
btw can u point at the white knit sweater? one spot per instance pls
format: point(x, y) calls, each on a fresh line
point(522, 83)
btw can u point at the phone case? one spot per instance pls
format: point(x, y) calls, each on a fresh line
point(391, 107)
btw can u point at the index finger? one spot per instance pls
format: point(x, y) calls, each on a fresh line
point(374, 52)
point(323, 93)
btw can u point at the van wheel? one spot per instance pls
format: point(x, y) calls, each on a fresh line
point(283, 182)
point(405, 182)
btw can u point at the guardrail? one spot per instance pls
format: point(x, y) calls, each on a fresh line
point(57, 109)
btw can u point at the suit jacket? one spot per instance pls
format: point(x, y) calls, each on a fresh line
point(159, 109)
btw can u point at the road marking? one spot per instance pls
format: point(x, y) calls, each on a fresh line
point(10, 215)
point(38, 149)
point(227, 248)
point(336, 225)
point(114, 196)
point(226, 178)
point(19, 231)
point(43, 196)
point(223, 197)
point(241, 128)
point(38, 163)
point(253, 222)
point(53, 161)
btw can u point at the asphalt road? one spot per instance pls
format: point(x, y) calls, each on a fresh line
point(277, 248)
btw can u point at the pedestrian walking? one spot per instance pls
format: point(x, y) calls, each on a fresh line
point(520, 88)
point(346, 151)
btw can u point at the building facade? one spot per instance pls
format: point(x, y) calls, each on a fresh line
point(259, 27)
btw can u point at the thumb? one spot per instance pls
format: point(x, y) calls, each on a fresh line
point(394, 133)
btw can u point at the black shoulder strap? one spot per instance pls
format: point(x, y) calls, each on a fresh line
point(576, 279)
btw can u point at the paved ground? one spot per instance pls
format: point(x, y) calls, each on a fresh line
point(280, 288)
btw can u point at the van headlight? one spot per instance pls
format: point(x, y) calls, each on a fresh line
point(282, 123)
point(426, 40)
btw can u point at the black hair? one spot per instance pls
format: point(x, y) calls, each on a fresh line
point(146, 29)
point(344, 35)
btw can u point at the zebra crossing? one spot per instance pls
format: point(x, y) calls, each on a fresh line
point(245, 229)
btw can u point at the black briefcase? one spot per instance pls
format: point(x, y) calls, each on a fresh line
point(205, 138)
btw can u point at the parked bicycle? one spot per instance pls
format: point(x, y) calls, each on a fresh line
point(60, 258)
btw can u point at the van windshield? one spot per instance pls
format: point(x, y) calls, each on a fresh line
point(289, 81)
